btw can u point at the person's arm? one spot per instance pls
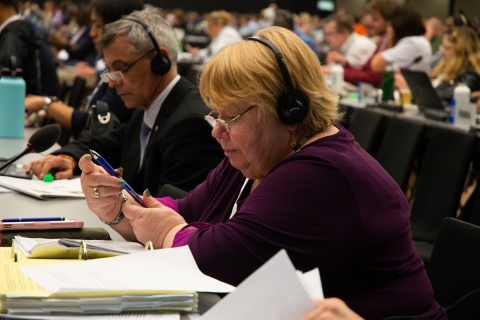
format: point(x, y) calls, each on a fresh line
point(378, 62)
point(331, 309)
point(56, 110)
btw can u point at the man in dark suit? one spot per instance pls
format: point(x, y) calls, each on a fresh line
point(140, 57)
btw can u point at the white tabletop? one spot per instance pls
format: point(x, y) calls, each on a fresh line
point(16, 205)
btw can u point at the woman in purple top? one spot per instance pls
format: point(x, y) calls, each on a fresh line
point(291, 179)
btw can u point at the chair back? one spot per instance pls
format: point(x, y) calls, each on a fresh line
point(168, 190)
point(399, 148)
point(454, 268)
point(77, 92)
point(367, 126)
point(440, 181)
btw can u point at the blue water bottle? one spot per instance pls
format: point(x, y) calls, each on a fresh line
point(12, 102)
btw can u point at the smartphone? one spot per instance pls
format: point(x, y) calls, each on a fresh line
point(105, 165)
point(42, 225)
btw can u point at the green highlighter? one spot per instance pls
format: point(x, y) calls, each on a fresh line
point(48, 177)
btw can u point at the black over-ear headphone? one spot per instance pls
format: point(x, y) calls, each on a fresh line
point(292, 107)
point(160, 63)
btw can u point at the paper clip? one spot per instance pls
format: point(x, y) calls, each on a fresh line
point(82, 250)
point(149, 246)
point(14, 251)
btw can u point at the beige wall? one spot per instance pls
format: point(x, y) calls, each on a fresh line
point(428, 8)
point(470, 7)
point(432, 8)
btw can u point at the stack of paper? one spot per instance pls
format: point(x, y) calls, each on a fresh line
point(45, 190)
point(40, 248)
point(165, 280)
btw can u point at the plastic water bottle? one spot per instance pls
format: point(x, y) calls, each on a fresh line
point(465, 112)
point(337, 77)
point(388, 82)
point(12, 102)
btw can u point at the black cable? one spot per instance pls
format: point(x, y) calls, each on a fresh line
point(419, 316)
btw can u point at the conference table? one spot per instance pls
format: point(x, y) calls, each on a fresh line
point(19, 205)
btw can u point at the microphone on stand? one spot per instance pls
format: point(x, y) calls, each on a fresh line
point(40, 141)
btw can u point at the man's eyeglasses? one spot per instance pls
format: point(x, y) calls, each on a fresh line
point(212, 119)
point(118, 75)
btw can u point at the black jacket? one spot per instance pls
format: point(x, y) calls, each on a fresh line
point(180, 150)
point(19, 39)
point(445, 89)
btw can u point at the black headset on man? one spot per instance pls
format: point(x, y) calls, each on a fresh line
point(160, 63)
point(292, 107)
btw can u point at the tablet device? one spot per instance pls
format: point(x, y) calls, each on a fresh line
point(16, 170)
point(422, 90)
point(42, 225)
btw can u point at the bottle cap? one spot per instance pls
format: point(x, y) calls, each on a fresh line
point(6, 72)
point(48, 177)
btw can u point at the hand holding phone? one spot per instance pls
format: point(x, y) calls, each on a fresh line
point(105, 165)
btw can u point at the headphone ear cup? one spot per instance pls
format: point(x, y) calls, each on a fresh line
point(292, 108)
point(160, 64)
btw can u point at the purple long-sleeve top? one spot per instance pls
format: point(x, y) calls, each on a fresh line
point(331, 206)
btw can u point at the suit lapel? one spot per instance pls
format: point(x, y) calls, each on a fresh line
point(168, 107)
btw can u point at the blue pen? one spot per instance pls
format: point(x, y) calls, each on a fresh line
point(33, 219)
point(105, 165)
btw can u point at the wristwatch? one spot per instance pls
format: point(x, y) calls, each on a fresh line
point(48, 101)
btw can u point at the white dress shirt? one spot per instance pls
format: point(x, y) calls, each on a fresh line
point(227, 36)
point(409, 49)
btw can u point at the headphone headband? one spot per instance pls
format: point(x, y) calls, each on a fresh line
point(292, 107)
point(160, 63)
point(280, 59)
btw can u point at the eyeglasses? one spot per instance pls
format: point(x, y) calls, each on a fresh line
point(212, 121)
point(118, 75)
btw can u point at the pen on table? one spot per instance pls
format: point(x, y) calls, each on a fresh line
point(33, 219)
point(105, 165)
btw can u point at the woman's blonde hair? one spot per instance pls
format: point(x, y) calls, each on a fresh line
point(220, 18)
point(249, 71)
point(466, 48)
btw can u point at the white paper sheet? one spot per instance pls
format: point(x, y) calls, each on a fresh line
point(45, 190)
point(165, 269)
point(272, 292)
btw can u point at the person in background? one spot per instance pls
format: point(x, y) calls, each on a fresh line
point(285, 20)
point(292, 178)
point(80, 46)
point(167, 140)
point(460, 62)
point(434, 31)
point(410, 49)
point(19, 39)
point(103, 12)
point(347, 47)
point(381, 12)
point(221, 33)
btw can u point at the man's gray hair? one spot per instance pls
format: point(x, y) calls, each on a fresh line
point(140, 42)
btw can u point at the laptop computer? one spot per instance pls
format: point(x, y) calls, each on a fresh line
point(425, 96)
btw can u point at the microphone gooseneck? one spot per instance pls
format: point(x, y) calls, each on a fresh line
point(40, 141)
